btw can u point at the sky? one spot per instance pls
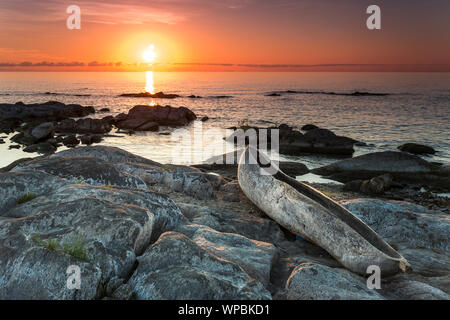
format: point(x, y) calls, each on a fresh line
point(209, 35)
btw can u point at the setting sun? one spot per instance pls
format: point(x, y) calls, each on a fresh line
point(149, 55)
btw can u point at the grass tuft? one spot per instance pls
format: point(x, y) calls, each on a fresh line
point(75, 247)
point(26, 198)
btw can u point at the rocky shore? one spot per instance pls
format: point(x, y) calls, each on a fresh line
point(45, 127)
point(139, 229)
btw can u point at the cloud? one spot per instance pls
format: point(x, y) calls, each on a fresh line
point(43, 64)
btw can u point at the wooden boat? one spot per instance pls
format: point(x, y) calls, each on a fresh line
point(315, 217)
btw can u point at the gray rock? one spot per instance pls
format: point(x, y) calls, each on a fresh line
point(111, 226)
point(176, 268)
point(254, 257)
point(409, 289)
point(383, 162)
point(43, 131)
point(317, 282)
point(404, 225)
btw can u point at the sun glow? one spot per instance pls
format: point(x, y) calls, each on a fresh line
point(149, 55)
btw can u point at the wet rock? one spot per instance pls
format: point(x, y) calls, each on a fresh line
point(354, 186)
point(42, 148)
point(311, 281)
point(90, 139)
point(96, 126)
point(376, 185)
point(177, 268)
point(12, 115)
point(148, 118)
point(71, 141)
point(308, 127)
point(415, 148)
point(105, 110)
point(293, 142)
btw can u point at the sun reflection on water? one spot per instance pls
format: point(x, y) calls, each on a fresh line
point(149, 87)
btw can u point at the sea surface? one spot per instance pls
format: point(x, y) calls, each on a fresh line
point(416, 109)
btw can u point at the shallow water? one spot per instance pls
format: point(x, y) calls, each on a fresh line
point(417, 108)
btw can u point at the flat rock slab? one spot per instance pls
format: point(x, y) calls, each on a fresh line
point(254, 257)
point(176, 268)
point(88, 170)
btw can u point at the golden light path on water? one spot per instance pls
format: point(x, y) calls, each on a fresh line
point(149, 86)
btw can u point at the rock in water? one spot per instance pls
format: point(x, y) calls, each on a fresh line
point(415, 148)
point(381, 162)
point(148, 118)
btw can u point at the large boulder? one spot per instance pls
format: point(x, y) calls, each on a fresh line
point(176, 268)
point(147, 118)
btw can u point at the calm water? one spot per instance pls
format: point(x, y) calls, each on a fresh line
point(417, 109)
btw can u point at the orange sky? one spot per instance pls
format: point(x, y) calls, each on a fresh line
point(225, 35)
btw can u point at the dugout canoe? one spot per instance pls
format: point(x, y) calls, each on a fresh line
point(310, 214)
